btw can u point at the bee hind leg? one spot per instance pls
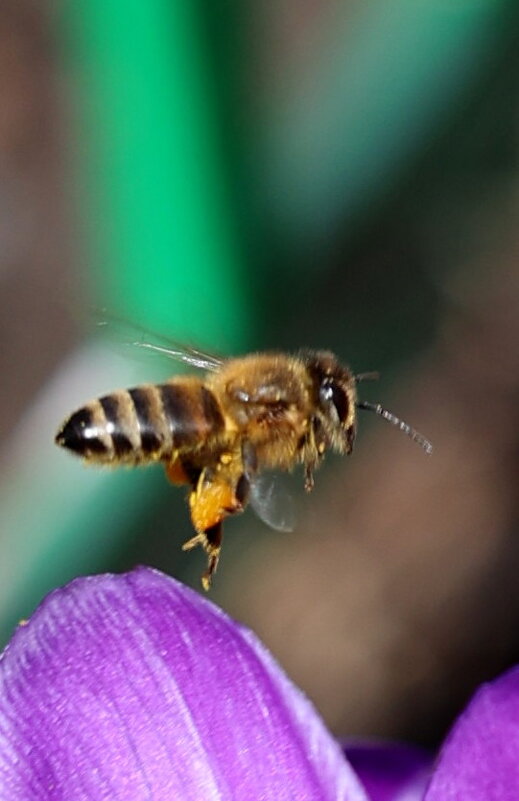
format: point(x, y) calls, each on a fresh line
point(218, 493)
point(213, 546)
point(198, 539)
point(211, 542)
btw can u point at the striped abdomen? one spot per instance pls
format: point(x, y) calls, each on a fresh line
point(143, 424)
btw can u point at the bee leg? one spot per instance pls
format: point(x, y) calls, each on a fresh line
point(215, 496)
point(211, 542)
point(176, 472)
point(213, 546)
point(309, 477)
point(213, 499)
point(350, 439)
point(198, 539)
point(313, 447)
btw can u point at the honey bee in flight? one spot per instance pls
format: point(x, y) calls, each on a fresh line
point(217, 433)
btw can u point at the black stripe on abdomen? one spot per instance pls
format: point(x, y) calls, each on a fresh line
point(177, 404)
point(211, 409)
point(111, 405)
point(151, 439)
point(191, 411)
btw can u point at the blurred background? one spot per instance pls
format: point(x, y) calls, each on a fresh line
point(249, 175)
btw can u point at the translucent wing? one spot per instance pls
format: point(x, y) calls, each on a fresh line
point(184, 353)
point(136, 335)
point(272, 502)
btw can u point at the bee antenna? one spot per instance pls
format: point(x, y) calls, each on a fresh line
point(395, 421)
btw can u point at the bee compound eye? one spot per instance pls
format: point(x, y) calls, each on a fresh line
point(332, 393)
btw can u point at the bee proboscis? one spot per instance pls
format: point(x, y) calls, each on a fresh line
point(217, 433)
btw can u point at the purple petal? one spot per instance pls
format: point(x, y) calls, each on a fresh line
point(390, 771)
point(479, 760)
point(134, 687)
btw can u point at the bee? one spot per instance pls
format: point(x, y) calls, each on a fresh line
point(219, 431)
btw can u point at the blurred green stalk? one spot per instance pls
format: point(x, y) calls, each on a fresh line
point(160, 250)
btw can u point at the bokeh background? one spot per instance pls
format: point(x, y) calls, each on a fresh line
point(275, 174)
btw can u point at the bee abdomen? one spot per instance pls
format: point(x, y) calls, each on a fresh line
point(147, 423)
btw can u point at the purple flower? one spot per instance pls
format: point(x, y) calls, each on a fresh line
point(134, 687)
point(390, 772)
point(479, 760)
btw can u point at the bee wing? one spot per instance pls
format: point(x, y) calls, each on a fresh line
point(136, 335)
point(184, 353)
point(272, 502)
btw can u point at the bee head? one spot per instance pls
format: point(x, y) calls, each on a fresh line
point(335, 398)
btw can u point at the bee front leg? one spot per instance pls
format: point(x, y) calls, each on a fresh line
point(309, 477)
point(313, 449)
